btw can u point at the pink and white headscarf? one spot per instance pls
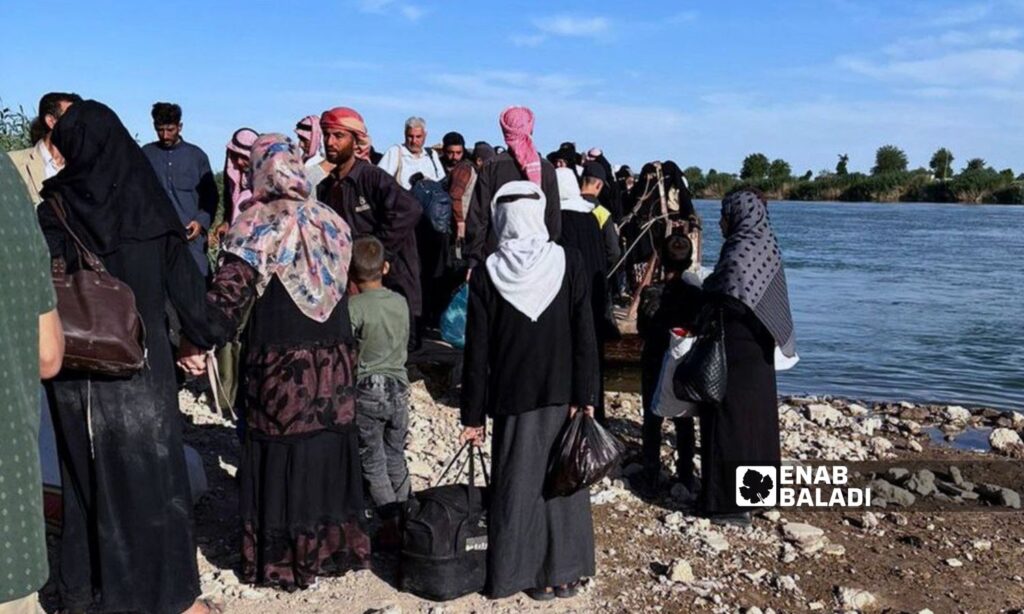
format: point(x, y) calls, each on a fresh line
point(517, 127)
point(308, 128)
point(240, 144)
point(291, 235)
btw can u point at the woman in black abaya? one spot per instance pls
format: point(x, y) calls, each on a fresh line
point(749, 286)
point(127, 541)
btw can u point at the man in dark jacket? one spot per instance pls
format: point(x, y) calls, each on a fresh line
point(520, 162)
point(372, 202)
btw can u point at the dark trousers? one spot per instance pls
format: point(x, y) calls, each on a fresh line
point(382, 415)
point(685, 444)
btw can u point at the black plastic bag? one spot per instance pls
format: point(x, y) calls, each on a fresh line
point(702, 374)
point(584, 453)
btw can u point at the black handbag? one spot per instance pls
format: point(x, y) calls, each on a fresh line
point(702, 375)
point(444, 542)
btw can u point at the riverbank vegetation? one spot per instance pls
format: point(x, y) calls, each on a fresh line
point(890, 180)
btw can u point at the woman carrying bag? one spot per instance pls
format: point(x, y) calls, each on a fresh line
point(530, 363)
point(748, 289)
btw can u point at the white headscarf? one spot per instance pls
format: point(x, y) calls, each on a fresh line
point(569, 192)
point(528, 268)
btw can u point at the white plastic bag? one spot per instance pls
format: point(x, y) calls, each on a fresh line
point(783, 362)
point(664, 402)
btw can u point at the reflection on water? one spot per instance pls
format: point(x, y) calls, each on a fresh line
point(912, 301)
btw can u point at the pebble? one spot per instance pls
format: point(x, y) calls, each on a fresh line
point(982, 544)
point(954, 563)
point(680, 571)
point(855, 598)
point(957, 414)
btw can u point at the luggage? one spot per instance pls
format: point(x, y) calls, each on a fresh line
point(584, 453)
point(702, 374)
point(437, 205)
point(444, 542)
point(453, 320)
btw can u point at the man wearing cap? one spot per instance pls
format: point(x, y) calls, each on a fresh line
point(371, 201)
point(594, 180)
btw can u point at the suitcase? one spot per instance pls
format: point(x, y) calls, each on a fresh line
point(444, 542)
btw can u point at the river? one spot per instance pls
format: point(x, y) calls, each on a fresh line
point(923, 302)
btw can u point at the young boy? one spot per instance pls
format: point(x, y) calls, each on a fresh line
point(380, 321)
point(673, 303)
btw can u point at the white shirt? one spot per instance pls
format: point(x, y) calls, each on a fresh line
point(399, 158)
point(50, 167)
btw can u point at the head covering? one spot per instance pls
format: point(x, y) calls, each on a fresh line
point(107, 184)
point(309, 128)
point(517, 126)
point(236, 181)
point(453, 138)
point(527, 269)
point(594, 153)
point(291, 235)
point(750, 267)
point(569, 192)
point(596, 170)
point(350, 120)
point(624, 172)
point(483, 151)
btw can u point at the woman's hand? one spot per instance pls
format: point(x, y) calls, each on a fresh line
point(474, 435)
point(191, 359)
point(587, 409)
point(218, 234)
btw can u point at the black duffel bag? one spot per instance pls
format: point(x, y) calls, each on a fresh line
point(444, 543)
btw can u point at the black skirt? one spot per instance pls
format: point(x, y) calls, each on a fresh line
point(534, 541)
point(745, 429)
point(301, 503)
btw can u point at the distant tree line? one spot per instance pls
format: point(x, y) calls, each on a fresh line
point(890, 180)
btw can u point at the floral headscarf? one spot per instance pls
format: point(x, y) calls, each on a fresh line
point(291, 235)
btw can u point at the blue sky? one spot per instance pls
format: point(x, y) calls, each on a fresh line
point(703, 83)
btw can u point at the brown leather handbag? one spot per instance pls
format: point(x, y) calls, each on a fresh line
point(103, 331)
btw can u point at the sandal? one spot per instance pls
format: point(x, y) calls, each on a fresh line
point(568, 591)
point(540, 594)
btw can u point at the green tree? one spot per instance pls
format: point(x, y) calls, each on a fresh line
point(975, 164)
point(807, 176)
point(779, 171)
point(942, 163)
point(14, 129)
point(693, 175)
point(889, 159)
point(755, 167)
point(841, 166)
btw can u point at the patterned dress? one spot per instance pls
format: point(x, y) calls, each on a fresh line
point(301, 498)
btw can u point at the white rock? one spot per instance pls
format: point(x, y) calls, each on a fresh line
point(954, 563)
point(914, 446)
point(801, 532)
point(716, 541)
point(858, 410)
point(674, 519)
point(252, 594)
point(680, 571)
point(1004, 440)
point(855, 598)
point(823, 414)
point(881, 446)
point(957, 414)
point(982, 544)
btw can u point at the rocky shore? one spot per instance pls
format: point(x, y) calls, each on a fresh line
point(656, 555)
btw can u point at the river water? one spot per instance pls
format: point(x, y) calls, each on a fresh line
point(922, 302)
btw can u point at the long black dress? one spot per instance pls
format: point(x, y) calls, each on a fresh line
point(127, 540)
point(582, 231)
point(300, 478)
point(745, 429)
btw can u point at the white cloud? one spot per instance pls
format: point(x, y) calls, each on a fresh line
point(953, 39)
point(975, 67)
point(527, 40)
point(409, 11)
point(572, 26)
point(971, 13)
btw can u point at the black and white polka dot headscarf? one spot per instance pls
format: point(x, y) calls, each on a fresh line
point(750, 267)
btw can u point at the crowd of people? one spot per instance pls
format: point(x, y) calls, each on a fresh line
point(330, 262)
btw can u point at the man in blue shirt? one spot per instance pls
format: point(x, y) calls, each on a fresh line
point(184, 171)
